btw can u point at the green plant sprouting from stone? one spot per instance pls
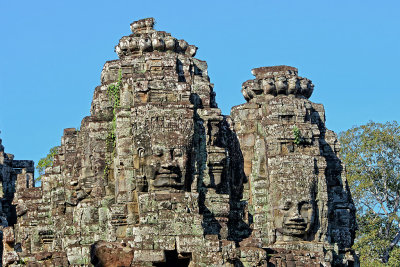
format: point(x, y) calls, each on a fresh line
point(113, 93)
point(21, 262)
point(297, 135)
point(106, 168)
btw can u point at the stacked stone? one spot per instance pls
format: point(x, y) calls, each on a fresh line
point(294, 171)
point(14, 175)
point(146, 39)
point(277, 80)
point(156, 176)
point(166, 137)
point(170, 163)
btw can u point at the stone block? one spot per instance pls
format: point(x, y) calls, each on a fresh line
point(149, 256)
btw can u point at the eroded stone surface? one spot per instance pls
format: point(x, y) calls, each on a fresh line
point(157, 176)
point(14, 175)
point(297, 187)
point(276, 80)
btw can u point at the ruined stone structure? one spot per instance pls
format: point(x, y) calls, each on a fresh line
point(14, 174)
point(156, 176)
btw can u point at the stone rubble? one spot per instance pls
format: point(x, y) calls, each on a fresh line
point(157, 176)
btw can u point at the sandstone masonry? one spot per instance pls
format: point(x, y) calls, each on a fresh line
point(14, 175)
point(157, 176)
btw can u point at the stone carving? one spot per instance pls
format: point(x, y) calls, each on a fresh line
point(168, 164)
point(15, 175)
point(296, 179)
point(293, 199)
point(164, 179)
point(278, 80)
point(146, 39)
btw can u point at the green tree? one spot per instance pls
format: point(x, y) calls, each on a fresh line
point(46, 162)
point(371, 154)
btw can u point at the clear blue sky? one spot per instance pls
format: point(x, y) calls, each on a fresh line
point(52, 53)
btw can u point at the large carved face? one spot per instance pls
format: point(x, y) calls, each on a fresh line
point(292, 197)
point(269, 86)
point(281, 85)
point(162, 139)
point(293, 85)
point(166, 167)
point(295, 216)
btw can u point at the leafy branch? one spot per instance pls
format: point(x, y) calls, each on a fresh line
point(46, 162)
point(371, 153)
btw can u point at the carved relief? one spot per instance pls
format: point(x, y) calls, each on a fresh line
point(293, 86)
point(292, 197)
point(269, 86)
point(165, 179)
point(277, 80)
point(166, 167)
point(46, 236)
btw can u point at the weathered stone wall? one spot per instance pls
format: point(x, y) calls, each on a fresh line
point(297, 188)
point(14, 175)
point(156, 176)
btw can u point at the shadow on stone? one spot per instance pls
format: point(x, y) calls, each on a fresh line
point(341, 209)
point(174, 259)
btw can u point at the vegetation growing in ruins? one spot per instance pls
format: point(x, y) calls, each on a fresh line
point(46, 162)
point(371, 154)
point(113, 93)
point(21, 261)
point(106, 168)
point(298, 139)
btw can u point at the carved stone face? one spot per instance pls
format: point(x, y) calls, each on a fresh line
point(304, 84)
point(170, 43)
point(306, 87)
point(295, 216)
point(246, 94)
point(269, 86)
point(250, 89)
point(133, 44)
point(165, 168)
point(293, 85)
point(124, 43)
point(145, 44)
point(292, 196)
point(281, 85)
point(161, 139)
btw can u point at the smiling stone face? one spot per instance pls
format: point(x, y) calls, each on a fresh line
point(162, 139)
point(292, 196)
point(295, 216)
point(163, 165)
point(167, 167)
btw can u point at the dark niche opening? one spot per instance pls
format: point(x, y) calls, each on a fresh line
point(175, 259)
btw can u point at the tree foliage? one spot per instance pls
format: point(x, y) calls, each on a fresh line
point(46, 162)
point(371, 154)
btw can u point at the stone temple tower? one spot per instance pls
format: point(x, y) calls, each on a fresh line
point(297, 189)
point(157, 176)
